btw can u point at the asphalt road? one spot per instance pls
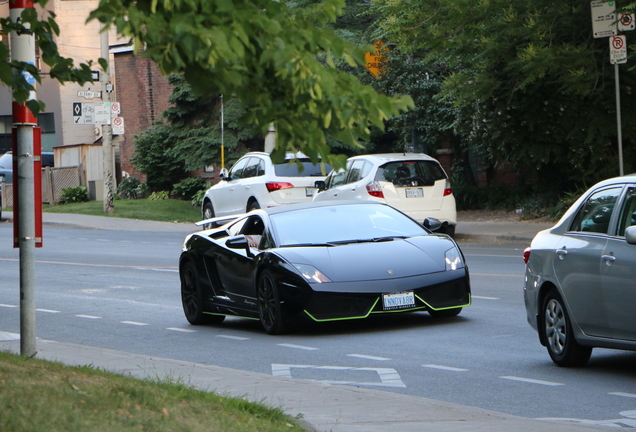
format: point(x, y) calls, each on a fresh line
point(120, 290)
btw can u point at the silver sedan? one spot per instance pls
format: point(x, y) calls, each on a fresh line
point(580, 284)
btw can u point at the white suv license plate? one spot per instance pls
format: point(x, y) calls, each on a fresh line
point(310, 191)
point(397, 301)
point(414, 193)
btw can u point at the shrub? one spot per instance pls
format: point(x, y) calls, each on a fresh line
point(75, 194)
point(186, 189)
point(131, 188)
point(197, 199)
point(162, 195)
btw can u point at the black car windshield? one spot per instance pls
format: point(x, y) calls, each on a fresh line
point(343, 224)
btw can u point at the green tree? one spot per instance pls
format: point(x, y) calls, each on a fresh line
point(268, 56)
point(190, 137)
point(526, 81)
point(12, 72)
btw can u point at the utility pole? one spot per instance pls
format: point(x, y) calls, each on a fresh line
point(107, 135)
point(23, 49)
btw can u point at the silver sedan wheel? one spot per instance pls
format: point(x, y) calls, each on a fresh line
point(555, 326)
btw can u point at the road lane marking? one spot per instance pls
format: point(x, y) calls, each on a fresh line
point(134, 323)
point(96, 265)
point(485, 298)
point(368, 357)
point(8, 305)
point(629, 395)
point(302, 347)
point(239, 338)
point(532, 381)
point(446, 368)
point(389, 377)
point(88, 316)
point(182, 330)
point(48, 311)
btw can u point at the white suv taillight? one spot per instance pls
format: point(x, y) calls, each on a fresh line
point(375, 190)
point(448, 189)
point(526, 255)
point(274, 186)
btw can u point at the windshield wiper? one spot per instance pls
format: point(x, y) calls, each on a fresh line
point(308, 245)
point(370, 240)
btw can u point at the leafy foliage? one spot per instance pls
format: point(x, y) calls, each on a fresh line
point(266, 54)
point(523, 81)
point(13, 73)
point(131, 188)
point(75, 194)
point(188, 188)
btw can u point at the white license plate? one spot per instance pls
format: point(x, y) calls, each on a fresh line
point(310, 191)
point(396, 301)
point(415, 193)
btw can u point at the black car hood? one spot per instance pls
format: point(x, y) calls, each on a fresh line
point(374, 261)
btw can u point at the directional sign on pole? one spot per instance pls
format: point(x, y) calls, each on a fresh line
point(603, 18)
point(618, 50)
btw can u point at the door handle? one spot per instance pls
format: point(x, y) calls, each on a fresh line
point(561, 253)
point(609, 259)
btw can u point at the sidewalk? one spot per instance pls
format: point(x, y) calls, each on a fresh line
point(323, 407)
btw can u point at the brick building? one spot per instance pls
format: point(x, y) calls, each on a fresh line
point(143, 94)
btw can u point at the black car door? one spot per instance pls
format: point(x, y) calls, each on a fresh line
point(237, 267)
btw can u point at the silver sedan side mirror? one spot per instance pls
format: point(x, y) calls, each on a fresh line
point(630, 235)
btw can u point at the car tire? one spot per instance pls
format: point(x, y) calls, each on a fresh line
point(444, 313)
point(270, 309)
point(253, 205)
point(208, 213)
point(192, 298)
point(559, 336)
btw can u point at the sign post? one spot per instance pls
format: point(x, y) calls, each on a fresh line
point(606, 23)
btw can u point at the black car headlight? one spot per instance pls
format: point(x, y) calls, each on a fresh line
point(453, 259)
point(311, 274)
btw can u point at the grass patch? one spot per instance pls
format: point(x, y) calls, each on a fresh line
point(37, 395)
point(168, 210)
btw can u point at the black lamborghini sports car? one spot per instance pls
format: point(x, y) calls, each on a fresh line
point(325, 260)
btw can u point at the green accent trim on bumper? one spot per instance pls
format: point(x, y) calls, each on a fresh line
point(345, 318)
point(428, 306)
point(470, 300)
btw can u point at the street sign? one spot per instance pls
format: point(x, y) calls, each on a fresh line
point(118, 126)
point(89, 94)
point(115, 108)
point(618, 50)
point(91, 113)
point(603, 18)
point(626, 22)
point(374, 60)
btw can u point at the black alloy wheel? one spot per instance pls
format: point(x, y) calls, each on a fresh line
point(557, 331)
point(192, 298)
point(269, 306)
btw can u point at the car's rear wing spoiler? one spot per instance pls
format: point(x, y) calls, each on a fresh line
point(218, 220)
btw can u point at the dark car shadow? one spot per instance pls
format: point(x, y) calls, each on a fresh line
point(373, 324)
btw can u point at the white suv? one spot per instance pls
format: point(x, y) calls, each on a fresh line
point(256, 182)
point(416, 184)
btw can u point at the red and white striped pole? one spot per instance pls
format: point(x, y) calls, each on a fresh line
point(23, 49)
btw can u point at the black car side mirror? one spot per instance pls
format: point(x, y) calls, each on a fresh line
point(320, 185)
point(238, 242)
point(432, 224)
